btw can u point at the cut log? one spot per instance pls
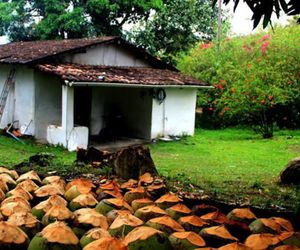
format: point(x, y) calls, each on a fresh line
point(133, 162)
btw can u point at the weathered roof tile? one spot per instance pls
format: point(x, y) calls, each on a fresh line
point(124, 75)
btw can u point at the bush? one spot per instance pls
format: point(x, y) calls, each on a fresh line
point(256, 79)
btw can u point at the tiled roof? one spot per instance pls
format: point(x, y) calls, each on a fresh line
point(45, 51)
point(124, 75)
point(25, 52)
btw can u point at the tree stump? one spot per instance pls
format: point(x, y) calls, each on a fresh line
point(127, 163)
point(291, 173)
point(133, 162)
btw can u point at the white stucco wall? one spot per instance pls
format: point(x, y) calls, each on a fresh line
point(110, 55)
point(20, 102)
point(133, 103)
point(176, 115)
point(48, 103)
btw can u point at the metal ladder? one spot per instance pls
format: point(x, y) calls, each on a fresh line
point(10, 81)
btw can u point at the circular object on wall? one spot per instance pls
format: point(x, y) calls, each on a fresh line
point(160, 95)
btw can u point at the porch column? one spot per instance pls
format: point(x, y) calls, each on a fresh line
point(67, 120)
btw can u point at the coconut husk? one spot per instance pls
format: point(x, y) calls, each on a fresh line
point(32, 175)
point(123, 224)
point(8, 180)
point(287, 247)
point(11, 234)
point(28, 185)
point(167, 200)
point(215, 218)
point(83, 200)
point(178, 210)
point(126, 219)
point(107, 205)
point(7, 209)
point(51, 179)
point(92, 235)
point(146, 238)
point(139, 203)
point(264, 225)
point(2, 196)
point(290, 238)
point(107, 243)
point(48, 190)
point(261, 241)
point(20, 192)
point(217, 236)
point(53, 200)
point(235, 246)
point(149, 212)
point(244, 215)
point(109, 185)
point(146, 179)
point(131, 183)
point(12, 173)
point(186, 240)
point(89, 216)
point(134, 194)
point(23, 219)
point(192, 223)
point(284, 224)
point(165, 224)
point(3, 186)
point(84, 186)
point(60, 213)
point(113, 214)
point(59, 232)
point(15, 199)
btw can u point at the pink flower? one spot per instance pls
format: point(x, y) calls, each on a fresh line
point(206, 45)
point(265, 37)
point(264, 47)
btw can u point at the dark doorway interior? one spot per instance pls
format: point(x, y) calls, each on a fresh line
point(82, 106)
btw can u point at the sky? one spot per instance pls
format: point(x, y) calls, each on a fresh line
point(241, 20)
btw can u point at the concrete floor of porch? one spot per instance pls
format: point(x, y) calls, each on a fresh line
point(117, 144)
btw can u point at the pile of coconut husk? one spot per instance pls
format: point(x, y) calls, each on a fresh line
point(52, 214)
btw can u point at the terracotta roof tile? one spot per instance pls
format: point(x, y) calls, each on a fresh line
point(25, 52)
point(124, 75)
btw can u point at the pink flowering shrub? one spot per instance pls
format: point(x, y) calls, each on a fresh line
point(256, 78)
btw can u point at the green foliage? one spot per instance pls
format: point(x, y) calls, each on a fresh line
point(177, 27)
point(54, 19)
point(255, 78)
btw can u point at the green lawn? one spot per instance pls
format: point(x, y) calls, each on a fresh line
point(232, 165)
point(13, 152)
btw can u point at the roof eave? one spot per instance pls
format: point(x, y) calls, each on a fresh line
point(135, 85)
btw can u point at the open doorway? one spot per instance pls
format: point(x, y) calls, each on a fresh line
point(82, 106)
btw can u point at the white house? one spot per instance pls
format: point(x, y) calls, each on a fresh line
point(67, 91)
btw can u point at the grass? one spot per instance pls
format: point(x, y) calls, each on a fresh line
point(231, 165)
point(13, 152)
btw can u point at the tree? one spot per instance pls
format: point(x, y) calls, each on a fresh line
point(264, 9)
point(176, 27)
point(256, 79)
point(53, 19)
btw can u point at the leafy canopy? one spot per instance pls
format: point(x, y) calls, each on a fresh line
point(254, 77)
point(176, 27)
point(53, 19)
